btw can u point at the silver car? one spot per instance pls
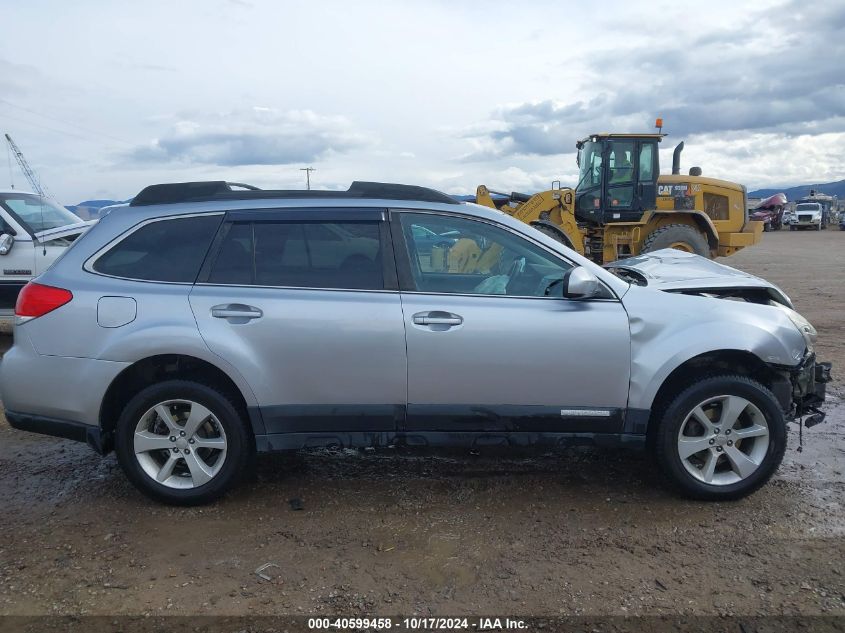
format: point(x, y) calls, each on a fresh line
point(201, 324)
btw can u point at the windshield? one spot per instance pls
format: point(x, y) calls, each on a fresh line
point(35, 213)
point(810, 206)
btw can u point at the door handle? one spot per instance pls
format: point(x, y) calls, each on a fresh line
point(437, 318)
point(236, 311)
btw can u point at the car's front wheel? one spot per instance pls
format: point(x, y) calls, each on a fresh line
point(182, 442)
point(722, 438)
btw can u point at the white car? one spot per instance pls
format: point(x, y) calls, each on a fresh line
point(34, 231)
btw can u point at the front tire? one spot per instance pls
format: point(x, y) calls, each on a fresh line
point(555, 233)
point(182, 442)
point(721, 439)
point(682, 237)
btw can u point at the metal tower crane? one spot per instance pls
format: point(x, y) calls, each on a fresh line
point(25, 168)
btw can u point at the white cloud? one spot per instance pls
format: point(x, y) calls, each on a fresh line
point(258, 136)
point(436, 93)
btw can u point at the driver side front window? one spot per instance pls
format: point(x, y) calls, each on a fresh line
point(463, 256)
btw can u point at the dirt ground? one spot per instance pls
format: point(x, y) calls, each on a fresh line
point(584, 533)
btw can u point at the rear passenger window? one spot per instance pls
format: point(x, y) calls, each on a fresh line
point(301, 255)
point(165, 250)
point(234, 260)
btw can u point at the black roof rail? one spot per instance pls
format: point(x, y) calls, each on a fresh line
point(171, 193)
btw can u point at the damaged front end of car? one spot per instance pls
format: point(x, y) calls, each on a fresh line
point(809, 383)
point(800, 389)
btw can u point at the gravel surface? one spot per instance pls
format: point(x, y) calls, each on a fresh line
point(586, 532)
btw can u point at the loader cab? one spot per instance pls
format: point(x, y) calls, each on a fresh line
point(617, 178)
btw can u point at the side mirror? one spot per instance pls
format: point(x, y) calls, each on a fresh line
point(6, 242)
point(577, 283)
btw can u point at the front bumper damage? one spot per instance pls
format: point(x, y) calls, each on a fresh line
point(808, 385)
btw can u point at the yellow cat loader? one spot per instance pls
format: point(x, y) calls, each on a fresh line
point(621, 205)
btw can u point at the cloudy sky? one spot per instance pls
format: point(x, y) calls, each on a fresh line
point(107, 97)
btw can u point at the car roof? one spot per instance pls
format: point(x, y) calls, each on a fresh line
point(210, 190)
point(315, 202)
point(17, 191)
point(170, 199)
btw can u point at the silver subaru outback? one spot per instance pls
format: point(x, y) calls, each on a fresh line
point(205, 322)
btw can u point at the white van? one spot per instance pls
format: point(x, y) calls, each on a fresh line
point(34, 231)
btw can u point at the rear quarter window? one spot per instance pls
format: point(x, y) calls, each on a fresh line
point(164, 250)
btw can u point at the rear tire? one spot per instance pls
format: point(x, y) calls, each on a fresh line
point(183, 443)
point(680, 236)
point(733, 450)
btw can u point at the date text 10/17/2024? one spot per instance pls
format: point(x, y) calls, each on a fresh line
point(419, 624)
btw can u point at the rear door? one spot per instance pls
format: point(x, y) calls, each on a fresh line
point(306, 305)
point(489, 350)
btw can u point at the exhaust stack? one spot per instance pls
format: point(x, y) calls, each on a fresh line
point(676, 158)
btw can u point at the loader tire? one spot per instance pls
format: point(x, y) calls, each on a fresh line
point(680, 236)
point(554, 233)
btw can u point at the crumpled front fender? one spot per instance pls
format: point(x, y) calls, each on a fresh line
point(668, 329)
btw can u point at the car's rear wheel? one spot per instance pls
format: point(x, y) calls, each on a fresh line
point(182, 442)
point(721, 438)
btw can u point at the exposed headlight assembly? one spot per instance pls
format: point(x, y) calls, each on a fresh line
point(804, 326)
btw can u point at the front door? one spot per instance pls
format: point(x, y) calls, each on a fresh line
point(488, 349)
point(304, 306)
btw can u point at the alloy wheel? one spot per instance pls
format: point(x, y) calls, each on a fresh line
point(180, 444)
point(723, 440)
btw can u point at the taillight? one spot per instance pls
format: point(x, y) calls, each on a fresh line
point(36, 300)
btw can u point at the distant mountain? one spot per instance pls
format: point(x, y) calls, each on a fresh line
point(795, 193)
